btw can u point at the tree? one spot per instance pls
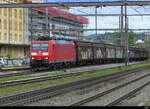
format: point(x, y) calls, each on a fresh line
point(140, 45)
point(103, 41)
point(117, 38)
point(147, 42)
point(131, 37)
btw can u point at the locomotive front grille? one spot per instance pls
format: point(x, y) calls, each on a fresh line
point(39, 62)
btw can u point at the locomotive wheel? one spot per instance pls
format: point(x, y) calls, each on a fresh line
point(34, 69)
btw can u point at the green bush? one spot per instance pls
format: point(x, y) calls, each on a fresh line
point(8, 56)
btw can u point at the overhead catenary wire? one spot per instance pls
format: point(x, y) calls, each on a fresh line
point(75, 4)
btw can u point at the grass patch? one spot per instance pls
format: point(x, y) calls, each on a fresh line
point(29, 76)
point(145, 102)
point(53, 82)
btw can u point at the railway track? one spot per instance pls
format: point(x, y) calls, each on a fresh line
point(33, 95)
point(118, 100)
point(44, 78)
point(27, 71)
point(14, 69)
point(40, 79)
point(131, 93)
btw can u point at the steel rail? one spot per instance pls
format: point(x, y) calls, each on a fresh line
point(20, 74)
point(40, 79)
point(131, 93)
point(23, 73)
point(75, 4)
point(27, 73)
point(96, 96)
point(49, 91)
point(43, 78)
point(14, 69)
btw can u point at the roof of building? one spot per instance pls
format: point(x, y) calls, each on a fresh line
point(59, 13)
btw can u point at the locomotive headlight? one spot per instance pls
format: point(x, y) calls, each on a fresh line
point(45, 54)
point(33, 54)
point(46, 58)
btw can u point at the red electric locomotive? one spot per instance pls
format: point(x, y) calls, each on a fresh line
point(52, 53)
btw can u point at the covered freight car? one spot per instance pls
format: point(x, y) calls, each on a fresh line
point(131, 54)
point(84, 52)
point(99, 53)
point(110, 53)
point(136, 54)
point(120, 53)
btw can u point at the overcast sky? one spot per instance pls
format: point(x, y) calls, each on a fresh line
point(140, 22)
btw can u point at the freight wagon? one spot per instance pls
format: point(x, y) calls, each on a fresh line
point(55, 54)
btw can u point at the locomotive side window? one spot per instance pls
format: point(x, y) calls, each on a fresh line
point(39, 46)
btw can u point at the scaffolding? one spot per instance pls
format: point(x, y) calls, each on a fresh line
point(51, 28)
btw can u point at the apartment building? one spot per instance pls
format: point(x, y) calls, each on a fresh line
point(12, 30)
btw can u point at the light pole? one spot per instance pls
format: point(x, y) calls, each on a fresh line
point(121, 26)
point(126, 37)
point(96, 22)
point(47, 33)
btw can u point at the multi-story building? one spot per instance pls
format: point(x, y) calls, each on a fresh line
point(12, 30)
point(59, 23)
point(15, 27)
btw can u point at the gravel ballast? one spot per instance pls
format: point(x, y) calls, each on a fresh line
point(141, 98)
point(73, 96)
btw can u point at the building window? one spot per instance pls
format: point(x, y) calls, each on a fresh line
point(5, 36)
point(20, 14)
point(15, 13)
point(0, 36)
point(16, 25)
point(0, 11)
point(20, 26)
point(20, 38)
point(10, 24)
point(0, 24)
point(5, 11)
point(10, 12)
point(15, 37)
point(10, 37)
point(5, 24)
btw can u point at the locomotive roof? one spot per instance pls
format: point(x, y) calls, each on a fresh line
point(76, 41)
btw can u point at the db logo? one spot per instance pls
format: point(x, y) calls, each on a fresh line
point(40, 52)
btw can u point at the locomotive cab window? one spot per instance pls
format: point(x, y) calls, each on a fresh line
point(39, 46)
